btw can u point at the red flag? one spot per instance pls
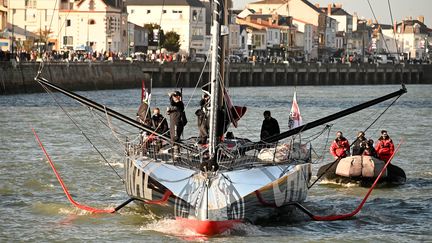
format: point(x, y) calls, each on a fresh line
point(235, 112)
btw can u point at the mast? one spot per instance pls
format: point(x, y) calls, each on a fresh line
point(215, 77)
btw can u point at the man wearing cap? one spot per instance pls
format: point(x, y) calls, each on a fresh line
point(177, 119)
point(359, 144)
point(384, 146)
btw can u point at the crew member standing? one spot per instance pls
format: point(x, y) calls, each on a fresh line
point(177, 120)
point(340, 147)
point(384, 146)
point(270, 126)
point(203, 119)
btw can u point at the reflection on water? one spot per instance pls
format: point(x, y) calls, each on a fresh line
point(30, 193)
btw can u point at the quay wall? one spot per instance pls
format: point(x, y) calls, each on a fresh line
point(19, 77)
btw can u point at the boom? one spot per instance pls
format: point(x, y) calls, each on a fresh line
point(335, 116)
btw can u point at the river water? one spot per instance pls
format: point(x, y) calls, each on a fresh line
point(34, 208)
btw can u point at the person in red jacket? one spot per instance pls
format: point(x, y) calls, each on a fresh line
point(384, 146)
point(340, 147)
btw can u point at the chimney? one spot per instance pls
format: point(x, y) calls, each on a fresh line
point(338, 5)
point(395, 26)
point(421, 18)
point(329, 8)
point(317, 5)
point(369, 22)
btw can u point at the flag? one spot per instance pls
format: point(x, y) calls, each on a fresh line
point(234, 112)
point(295, 118)
point(145, 95)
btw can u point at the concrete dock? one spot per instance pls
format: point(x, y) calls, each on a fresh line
point(19, 77)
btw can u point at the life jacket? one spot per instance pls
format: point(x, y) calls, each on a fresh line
point(339, 148)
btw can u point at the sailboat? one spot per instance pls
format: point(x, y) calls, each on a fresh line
point(236, 185)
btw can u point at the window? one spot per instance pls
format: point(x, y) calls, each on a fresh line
point(164, 11)
point(67, 40)
point(92, 5)
point(91, 22)
point(132, 11)
point(177, 11)
point(194, 15)
point(68, 22)
point(148, 11)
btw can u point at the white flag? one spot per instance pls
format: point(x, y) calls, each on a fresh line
point(295, 118)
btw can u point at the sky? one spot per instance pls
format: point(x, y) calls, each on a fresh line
point(400, 8)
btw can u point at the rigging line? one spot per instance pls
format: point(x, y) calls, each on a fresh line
point(379, 26)
point(376, 119)
point(83, 133)
point(394, 30)
point(198, 82)
point(338, 159)
point(190, 41)
point(63, 23)
point(52, 17)
point(102, 120)
point(113, 146)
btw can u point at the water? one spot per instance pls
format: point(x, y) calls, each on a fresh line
point(34, 208)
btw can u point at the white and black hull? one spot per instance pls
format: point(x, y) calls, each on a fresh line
point(242, 195)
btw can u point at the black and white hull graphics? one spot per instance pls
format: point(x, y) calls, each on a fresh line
point(240, 194)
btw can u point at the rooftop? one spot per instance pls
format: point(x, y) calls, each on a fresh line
point(193, 3)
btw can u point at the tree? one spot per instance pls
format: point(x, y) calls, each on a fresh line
point(172, 41)
point(154, 37)
point(43, 36)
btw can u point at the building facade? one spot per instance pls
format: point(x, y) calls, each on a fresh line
point(185, 17)
point(93, 25)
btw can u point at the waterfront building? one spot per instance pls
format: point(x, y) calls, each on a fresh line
point(303, 13)
point(4, 38)
point(271, 35)
point(86, 25)
point(185, 17)
point(34, 24)
point(344, 25)
point(93, 25)
point(137, 39)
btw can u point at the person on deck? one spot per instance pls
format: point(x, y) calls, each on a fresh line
point(143, 116)
point(340, 147)
point(203, 119)
point(270, 126)
point(369, 148)
point(177, 120)
point(160, 126)
point(357, 148)
point(159, 123)
point(384, 146)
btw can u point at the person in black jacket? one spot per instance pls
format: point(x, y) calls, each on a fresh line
point(359, 144)
point(159, 123)
point(270, 126)
point(203, 119)
point(177, 120)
